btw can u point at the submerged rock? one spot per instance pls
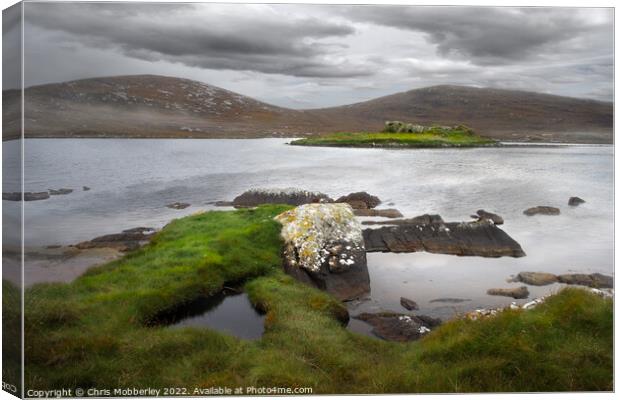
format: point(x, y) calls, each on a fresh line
point(85, 188)
point(457, 238)
point(291, 196)
point(489, 216)
point(595, 280)
point(178, 206)
point(359, 200)
point(28, 196)
point(409, 304)
point(515, 293)
point(222, 203)
point(399, 327)
point(385, 213)
point(535, 278)
point(575, 201)
point(60, 192)
point(449, 300)
point(544, 210)
point(324, 247)
point(129, 239)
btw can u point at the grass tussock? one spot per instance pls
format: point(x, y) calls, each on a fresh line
point(433, 138)
point(94, 331)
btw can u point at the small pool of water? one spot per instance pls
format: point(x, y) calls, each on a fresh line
point(231, 313)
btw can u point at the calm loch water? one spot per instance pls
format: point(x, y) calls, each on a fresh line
point(131, 182)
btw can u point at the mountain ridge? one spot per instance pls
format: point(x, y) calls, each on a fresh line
point(162, 106)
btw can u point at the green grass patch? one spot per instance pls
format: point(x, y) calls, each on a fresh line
point(436, 137)
point(93, 332)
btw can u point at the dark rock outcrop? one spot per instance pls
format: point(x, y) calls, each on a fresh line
point(398, 327)
point(178, 206)
point(28, 196)
point(575, 201)
point(595, 280)
point(385, 213)
point(60, 192)
point(535, 278)
point(294, 197)
point(129, 239)
point(324, 248)
point(515, 293)
point(544, 210)
point(85, 188)
point(360, 200)
point(483, 215)
point(421, 219)
point(458, 238)
point(409, 304)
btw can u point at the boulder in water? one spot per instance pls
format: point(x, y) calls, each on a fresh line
point(544, 210)
point(291, 196)
point(399, 327)
point(360, 200)
point(575, 201)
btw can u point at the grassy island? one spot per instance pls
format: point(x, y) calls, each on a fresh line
point(400, 135)
point(96, 331)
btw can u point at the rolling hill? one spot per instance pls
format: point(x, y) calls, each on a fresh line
point(157, 106)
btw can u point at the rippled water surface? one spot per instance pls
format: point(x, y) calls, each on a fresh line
point(131, 181)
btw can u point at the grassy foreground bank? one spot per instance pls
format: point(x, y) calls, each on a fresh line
point(94, 331)
point(435, 137)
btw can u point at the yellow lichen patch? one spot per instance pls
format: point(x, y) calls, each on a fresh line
point(311, 226)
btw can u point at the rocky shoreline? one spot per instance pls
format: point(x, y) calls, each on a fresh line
point(325, 246)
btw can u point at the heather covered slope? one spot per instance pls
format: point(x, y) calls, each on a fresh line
point(496, 113)
point(157, 106)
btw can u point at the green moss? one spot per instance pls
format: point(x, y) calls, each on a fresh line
point(92, 332)
point(435, 137)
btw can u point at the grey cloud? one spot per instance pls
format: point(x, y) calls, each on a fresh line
point(175, 33)
point(490, 35)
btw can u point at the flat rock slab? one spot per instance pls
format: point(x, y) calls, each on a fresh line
point(543, 210)
point(479, 238)
point(372, 212)
point(595, 280)
point(515, 293)
point(60, 192)
point(535, 278)
point(592, 280)
point(28, 196)
point(399, 327)
point(130, 239)
point(421, 219)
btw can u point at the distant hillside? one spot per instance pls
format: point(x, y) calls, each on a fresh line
point(500, 114)
point(157, 106)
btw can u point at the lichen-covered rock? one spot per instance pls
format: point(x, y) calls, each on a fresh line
point(324, 247)
point(360, 200)
point(291, 196)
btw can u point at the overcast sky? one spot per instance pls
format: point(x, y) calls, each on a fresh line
point(305, 56)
